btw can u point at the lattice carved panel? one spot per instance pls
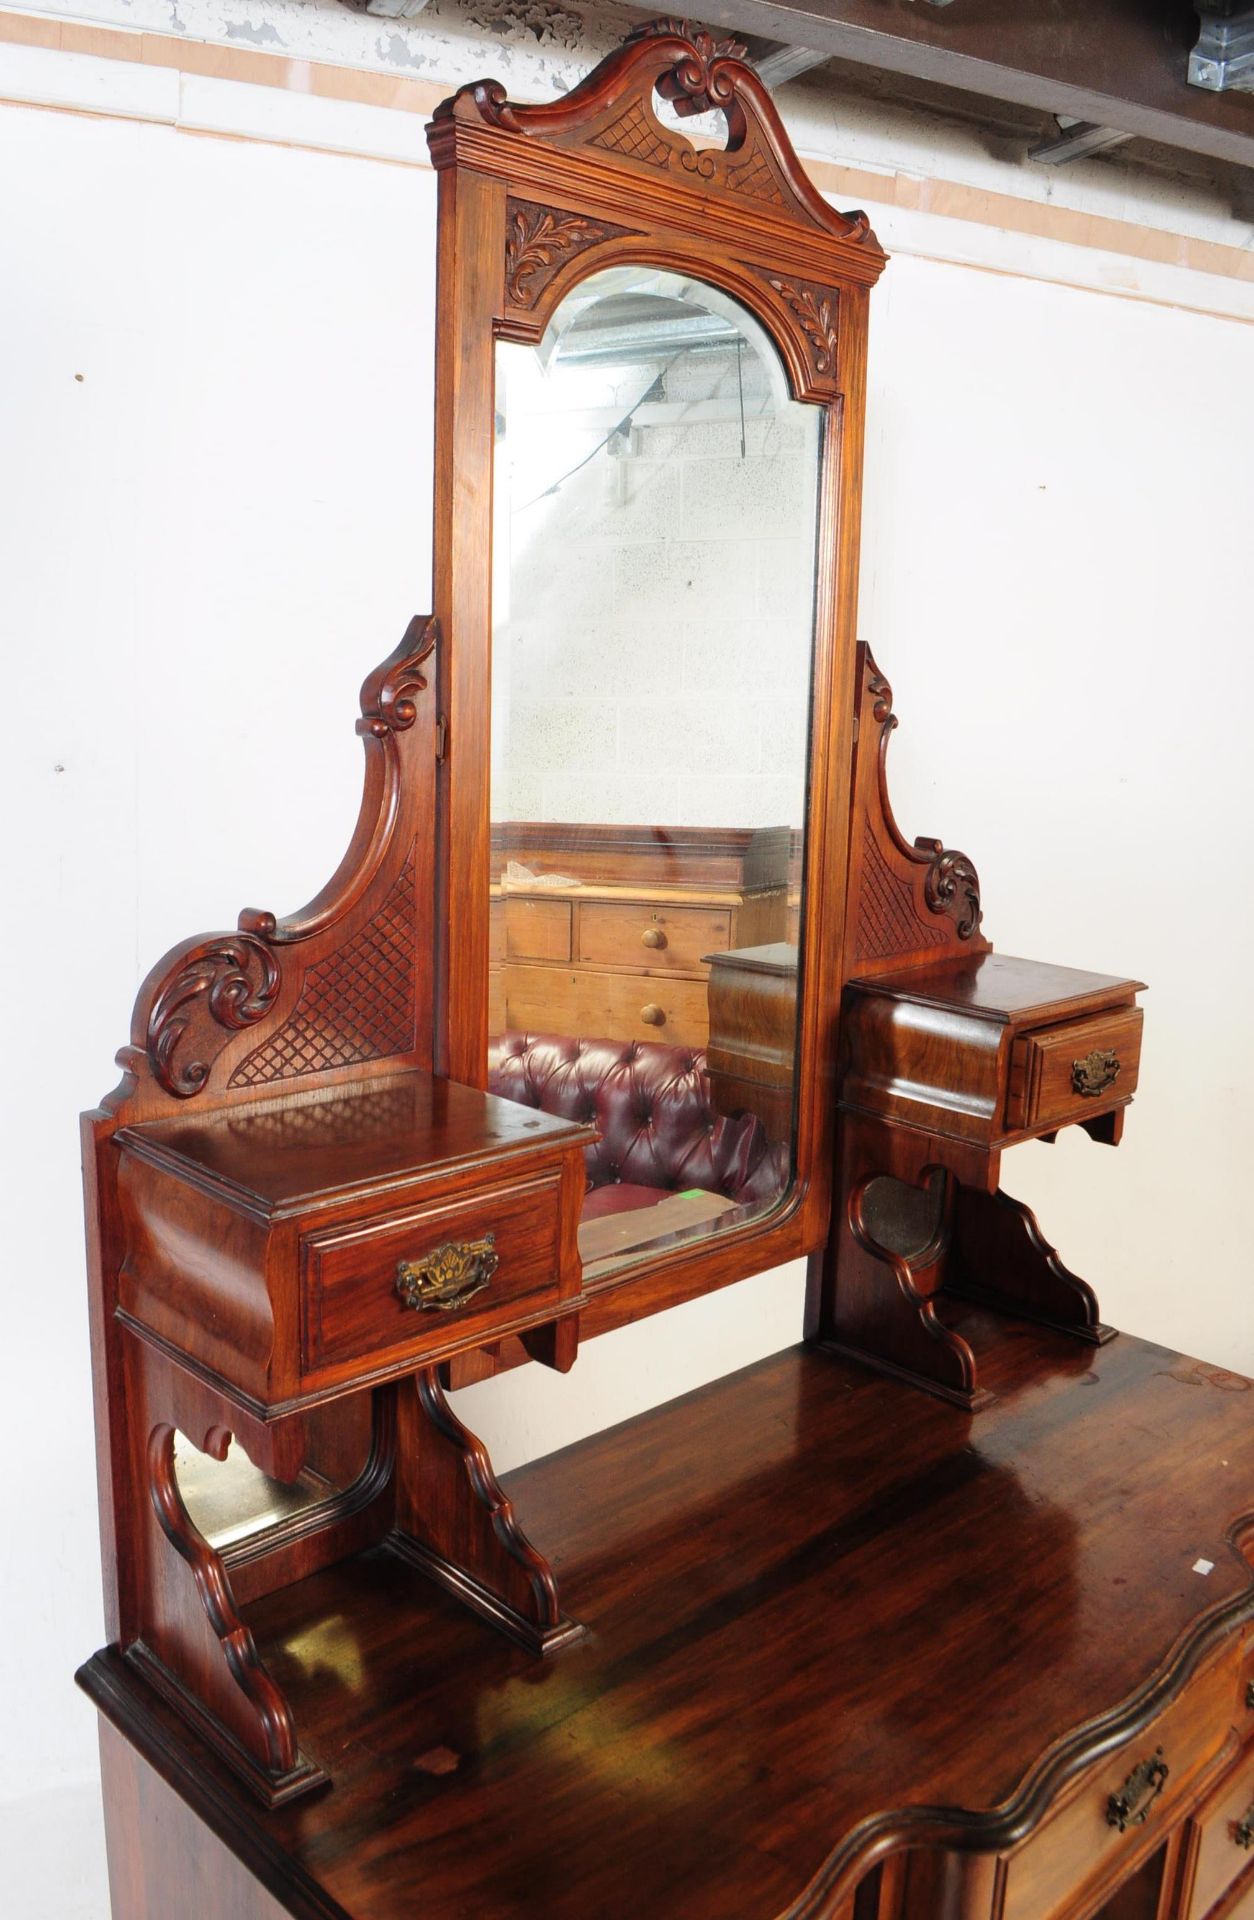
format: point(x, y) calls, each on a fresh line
point(633, 134)
point(356, 1005)
point(889, 920)
point(756, 181)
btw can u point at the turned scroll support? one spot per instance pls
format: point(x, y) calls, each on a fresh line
point(456, 1524)
point(182, 1630)
point(256, 1732)
point(921, 1224)
point(999, 1258)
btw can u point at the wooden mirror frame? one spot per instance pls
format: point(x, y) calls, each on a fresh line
point(532, 201)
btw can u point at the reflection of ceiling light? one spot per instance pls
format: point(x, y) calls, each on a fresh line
point(630, 329)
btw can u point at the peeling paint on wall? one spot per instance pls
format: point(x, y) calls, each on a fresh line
point(396, 50)
point(266, 35)
point(543, 47)
point(543, 20)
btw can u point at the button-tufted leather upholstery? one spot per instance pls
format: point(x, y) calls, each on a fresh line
point(651, 1104)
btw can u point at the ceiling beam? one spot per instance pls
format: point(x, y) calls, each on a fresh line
point(1076, 142)
point(777, 63)
point(1101, 61)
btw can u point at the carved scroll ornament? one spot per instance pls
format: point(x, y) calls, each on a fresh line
point(236, 977)
point(902, 886)
point(232, 981)
point(704, 76)
point(951, 886)
point(387, 695)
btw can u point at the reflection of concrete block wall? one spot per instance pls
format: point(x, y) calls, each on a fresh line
point(656, 661)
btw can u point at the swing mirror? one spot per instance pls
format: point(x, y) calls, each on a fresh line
point(656, 491)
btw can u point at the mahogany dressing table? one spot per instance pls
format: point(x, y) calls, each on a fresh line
point(947, 1612)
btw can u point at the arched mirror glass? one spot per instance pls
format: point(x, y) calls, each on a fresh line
point(655, 509)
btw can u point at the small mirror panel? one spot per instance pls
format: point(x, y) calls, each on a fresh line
point(655, 508)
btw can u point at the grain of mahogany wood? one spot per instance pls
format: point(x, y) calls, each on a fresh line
point(816, 1600)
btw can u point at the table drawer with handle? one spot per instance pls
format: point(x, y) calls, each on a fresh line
point(1125, 1806)
point(431, 1279)
point(1062, 1074)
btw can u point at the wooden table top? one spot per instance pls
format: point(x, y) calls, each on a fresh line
point(287, 1155)
point(819, 1603)
point(999, 987)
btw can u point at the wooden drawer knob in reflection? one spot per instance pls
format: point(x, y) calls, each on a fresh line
point(653, 1015)
point(653, 937)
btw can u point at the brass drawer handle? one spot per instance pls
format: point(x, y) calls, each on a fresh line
point(448, 1276)
point(1095, 1072)
point(653, 1015)
point(1243, 1832)
point(1130, 1807)
point(653, 937)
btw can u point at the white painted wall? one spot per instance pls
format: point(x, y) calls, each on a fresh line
point(210, 537)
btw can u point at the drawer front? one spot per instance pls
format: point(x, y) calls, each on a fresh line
point(1225, 1839)
point(662, 939)
point(537, 929)
point(1067, 1073)
point(1079, 1848)
point(606, 1006)
point(352, 1308)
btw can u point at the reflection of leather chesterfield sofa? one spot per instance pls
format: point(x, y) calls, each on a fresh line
point(651, 1103)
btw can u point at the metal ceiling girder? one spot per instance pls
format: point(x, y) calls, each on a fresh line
point(1223, 59)
point(1076, 142)
point(1100, 61)
point(778, 63)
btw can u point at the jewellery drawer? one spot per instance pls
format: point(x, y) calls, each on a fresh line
point(668, 939)
point(1066, 1073)
point(1224, 1827)
point(615, 1006)
point(1124, 1808)
point(434, 1278)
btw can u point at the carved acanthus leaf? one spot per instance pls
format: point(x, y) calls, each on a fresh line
point(235, 977)
point(539, 240)
point(815, 308)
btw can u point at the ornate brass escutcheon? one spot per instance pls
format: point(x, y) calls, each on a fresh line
point(449, 1275)
point(1130, 1807)
point(1243, 1831)
point(1095, 1072)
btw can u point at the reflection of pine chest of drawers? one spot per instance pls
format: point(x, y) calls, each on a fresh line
point(620, 951)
